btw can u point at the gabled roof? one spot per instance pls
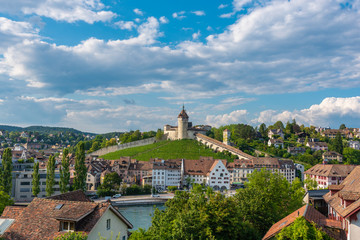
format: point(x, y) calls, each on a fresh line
point(12, 211)
point(76, 195)
point(348, 190)
point(311, 215)
point(331, 170)
point(41, 218)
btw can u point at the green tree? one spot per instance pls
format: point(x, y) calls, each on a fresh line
point(36, 180)
point(159, 134)
point(110, 185)
point(64, 172)
point(301, 229)
point(50, 176)
point(6, 171)
point(267, 198)
point(351, 156)
point(95, 146)
point(263, 130)
point(5, 200)
point(342, 127)
point(311, 184)
point(199, 214)
point(80, 168)
point(337, 144)
point(72, 236)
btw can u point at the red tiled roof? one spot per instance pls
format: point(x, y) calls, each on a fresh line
point(311, 215)
point(40, 219)
point(330, 170)
point(77, 195)
point(350, 188)
point(12, 211)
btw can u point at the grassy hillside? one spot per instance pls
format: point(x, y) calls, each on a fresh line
point(187, 149)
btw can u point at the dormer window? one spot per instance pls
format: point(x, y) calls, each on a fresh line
point(67, 226)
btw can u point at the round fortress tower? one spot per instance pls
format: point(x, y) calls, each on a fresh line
point(183, 122)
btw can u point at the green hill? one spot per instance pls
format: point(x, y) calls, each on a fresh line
point(187, 149)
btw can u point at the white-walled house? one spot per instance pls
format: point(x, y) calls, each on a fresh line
point(48, 218)
point(328, 174)
point(208, 171)
point(166, 173)
point(354, 144)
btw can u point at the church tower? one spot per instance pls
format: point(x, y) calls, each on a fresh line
point(183, 122)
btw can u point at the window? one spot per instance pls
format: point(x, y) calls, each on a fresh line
point(108, 224)
point(25, 183)
point(68, 226)
point(124, 238)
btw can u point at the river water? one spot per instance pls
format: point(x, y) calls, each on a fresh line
point(140, 216)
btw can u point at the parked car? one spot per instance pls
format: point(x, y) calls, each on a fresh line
point(117, 195)
point(155, 195)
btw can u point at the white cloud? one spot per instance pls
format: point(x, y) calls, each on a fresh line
point(12, 32)
point(128, 25)
point(331, 111)
point(138, 12)
point(199, 13)
point(237, 116)
point(196, 35)
point(163, 20)
point(179, 15)
point(209, 28)
point(221, 6)
point(89, 11)
point(239, 4)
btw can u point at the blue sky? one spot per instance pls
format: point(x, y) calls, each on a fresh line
point(109, 65)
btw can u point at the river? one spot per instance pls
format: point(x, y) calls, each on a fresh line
point(139, 216)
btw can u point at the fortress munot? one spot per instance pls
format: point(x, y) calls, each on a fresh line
point(184, 129)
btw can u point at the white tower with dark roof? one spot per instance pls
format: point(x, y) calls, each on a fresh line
point(183, 122)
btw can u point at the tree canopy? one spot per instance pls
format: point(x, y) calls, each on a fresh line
point(267, 198)
point(301, 229)
point(80, 168)
point(199, 214)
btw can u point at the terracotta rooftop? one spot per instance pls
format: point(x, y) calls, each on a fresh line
point(198, 167)
point(77, 195)
point(12, 211)
point(41, 218)
point(183, 114)
point(311, 215)
point(350, 188)
point(330, 170)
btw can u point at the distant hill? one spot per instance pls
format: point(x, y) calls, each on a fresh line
point(42, 129)
point(187, 149)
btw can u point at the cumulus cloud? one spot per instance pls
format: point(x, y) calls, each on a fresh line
point(163, 20)
point(12, 32)
point(221, 6)
point(128, 25)
point(237, 116)
point(196, 35)
point(89, 11)
point(199, 13)
point(330, 112)
point(138, 12)
point(179, 15)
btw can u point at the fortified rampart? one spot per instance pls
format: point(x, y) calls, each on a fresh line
point(115, 148)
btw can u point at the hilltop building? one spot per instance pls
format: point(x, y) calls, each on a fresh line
point(184, 129)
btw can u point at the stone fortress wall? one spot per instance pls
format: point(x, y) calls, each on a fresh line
point(115, 148)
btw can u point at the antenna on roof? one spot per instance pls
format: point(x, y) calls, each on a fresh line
point(183, 106)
